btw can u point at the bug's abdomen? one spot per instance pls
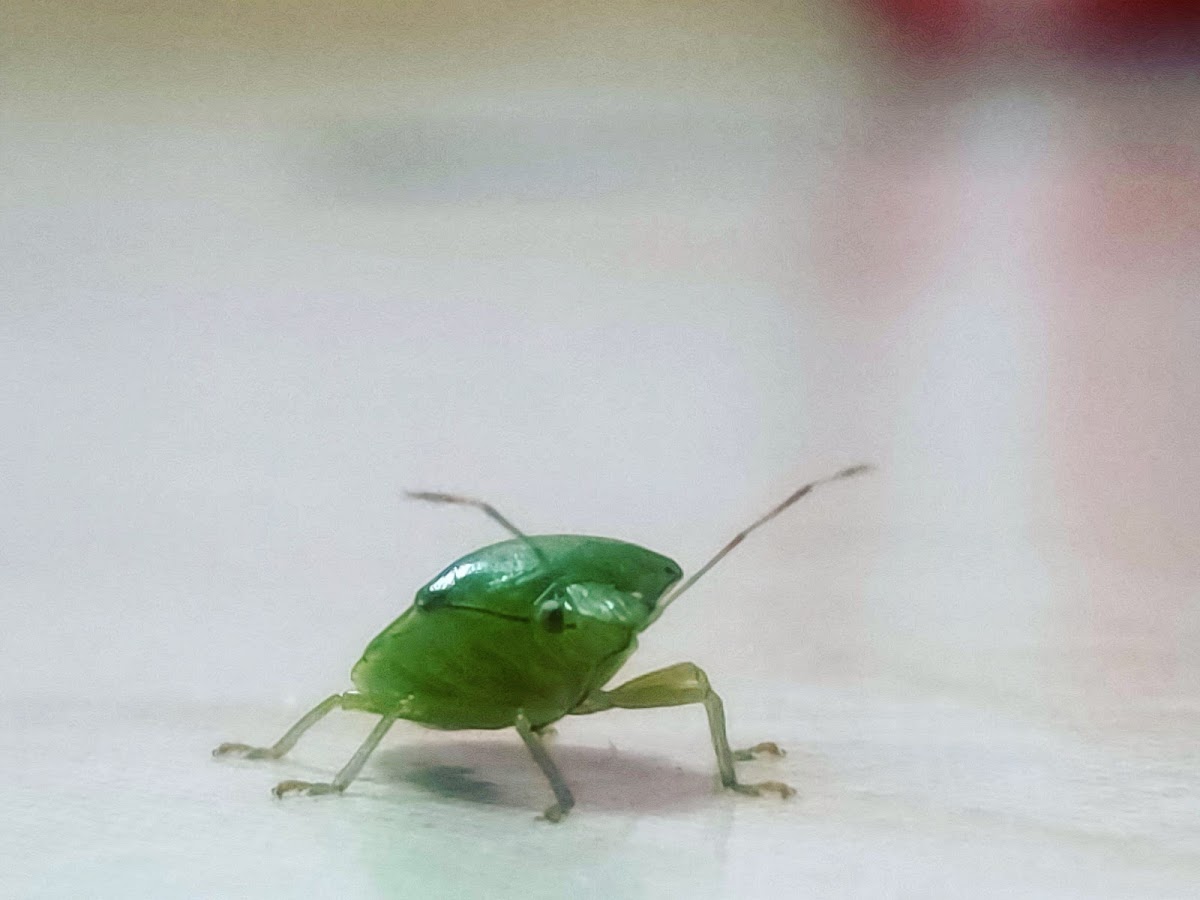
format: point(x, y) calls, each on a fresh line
point(458, 668)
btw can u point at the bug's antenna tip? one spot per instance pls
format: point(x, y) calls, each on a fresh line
point(860, 469)
point(431, 496)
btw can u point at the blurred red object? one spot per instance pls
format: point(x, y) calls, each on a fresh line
point(1122, 27)
point(927, 26)
point(1113, 29)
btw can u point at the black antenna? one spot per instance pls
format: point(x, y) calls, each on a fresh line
point(744, 533)
point(490, 511)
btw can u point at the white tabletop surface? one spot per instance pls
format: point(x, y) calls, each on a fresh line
point(636, 274)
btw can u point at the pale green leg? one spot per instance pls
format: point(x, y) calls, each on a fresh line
point(349, 771)
point(348, 700)
point(677, 685)
point(541, 756)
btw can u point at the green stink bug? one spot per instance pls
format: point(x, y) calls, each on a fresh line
point(520, 634)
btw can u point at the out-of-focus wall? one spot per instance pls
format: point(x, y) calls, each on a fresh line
point(623, 268)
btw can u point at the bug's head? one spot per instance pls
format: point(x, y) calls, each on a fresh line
point(648, 576)
point(657, 580)
point(616, 595)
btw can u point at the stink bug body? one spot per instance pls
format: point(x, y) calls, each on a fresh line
point(521, 634)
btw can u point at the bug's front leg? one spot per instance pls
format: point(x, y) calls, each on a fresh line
point(677, 685)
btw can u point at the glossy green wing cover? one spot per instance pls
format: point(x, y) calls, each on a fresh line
point(508, 577)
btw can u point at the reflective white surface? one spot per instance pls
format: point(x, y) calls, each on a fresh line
point(263, 272)
point(902, 793)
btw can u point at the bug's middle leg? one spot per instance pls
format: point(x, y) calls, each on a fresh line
point(562, 794)
point(677, 685)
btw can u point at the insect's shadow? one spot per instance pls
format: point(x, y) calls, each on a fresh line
point(503, 774)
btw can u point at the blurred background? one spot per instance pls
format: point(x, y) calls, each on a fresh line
point(635, 268)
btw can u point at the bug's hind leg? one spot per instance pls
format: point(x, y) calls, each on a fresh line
point(674, 686)
point(348, 700)
point(562, 794)
point(288, 741)
point(349, 771)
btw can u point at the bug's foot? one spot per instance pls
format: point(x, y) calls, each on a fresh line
point(555, 813)
point(245, 751)
point(757, 790)
point(304, 787)
point(770, 748)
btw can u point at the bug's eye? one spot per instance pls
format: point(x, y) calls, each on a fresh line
point(553, 617)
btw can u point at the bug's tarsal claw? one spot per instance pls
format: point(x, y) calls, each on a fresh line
point(554, 813)
point(768, 748)
point(244, 751)
point(304, 787)
point(757, 790)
